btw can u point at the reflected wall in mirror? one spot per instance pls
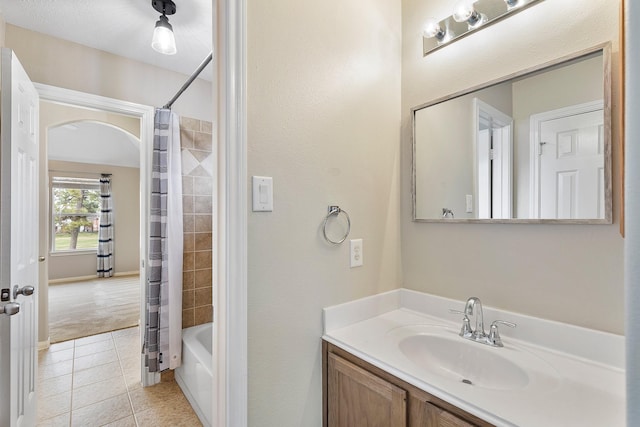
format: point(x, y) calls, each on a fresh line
point(532, 147)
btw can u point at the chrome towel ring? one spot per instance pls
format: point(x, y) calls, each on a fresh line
point(335, 210)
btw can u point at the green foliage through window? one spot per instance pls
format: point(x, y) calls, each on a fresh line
point(76, 213)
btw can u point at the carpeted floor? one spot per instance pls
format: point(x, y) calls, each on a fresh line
point(80, 309)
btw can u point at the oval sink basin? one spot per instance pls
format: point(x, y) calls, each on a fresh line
point(464, 361)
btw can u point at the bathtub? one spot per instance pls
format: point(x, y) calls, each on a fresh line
point(195, 375)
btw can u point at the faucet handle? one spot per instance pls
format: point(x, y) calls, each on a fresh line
point(465, 331)
point(494, 336)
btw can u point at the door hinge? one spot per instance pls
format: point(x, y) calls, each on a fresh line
point(540, 144)
point(491, 154)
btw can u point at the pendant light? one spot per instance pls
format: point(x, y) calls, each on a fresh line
point(163, 39)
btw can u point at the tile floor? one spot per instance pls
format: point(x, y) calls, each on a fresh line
point(95, 381)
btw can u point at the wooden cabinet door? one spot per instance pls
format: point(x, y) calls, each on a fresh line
point(425, 414)
point(358, 398)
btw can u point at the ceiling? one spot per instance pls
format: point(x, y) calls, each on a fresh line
point(94, 143)
point(121, 27)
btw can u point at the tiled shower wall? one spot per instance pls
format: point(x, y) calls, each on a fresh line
point(197, 188)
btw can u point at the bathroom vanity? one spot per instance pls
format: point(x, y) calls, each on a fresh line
point(397, 359)
point(359, 393)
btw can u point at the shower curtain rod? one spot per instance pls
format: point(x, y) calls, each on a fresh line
point(190, 80)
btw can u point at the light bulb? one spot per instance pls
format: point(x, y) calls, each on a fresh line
point(163, 39)
point(432, 28)
point(463, 10)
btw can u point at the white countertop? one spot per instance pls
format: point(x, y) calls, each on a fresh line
point(587, 387)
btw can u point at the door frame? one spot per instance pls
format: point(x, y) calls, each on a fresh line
point(535, 122)
point(230, 325)
point(482, 111)
point(146, 115)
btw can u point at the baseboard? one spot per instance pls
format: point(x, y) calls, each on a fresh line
point(83, 278)
point(43, 345)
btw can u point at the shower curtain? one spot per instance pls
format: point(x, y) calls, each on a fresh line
point(163, 331)
point(105, 231)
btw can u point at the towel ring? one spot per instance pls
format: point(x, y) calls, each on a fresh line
point(335, 210)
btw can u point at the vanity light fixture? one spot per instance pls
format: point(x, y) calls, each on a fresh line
point(163, 39)
point(468, 16)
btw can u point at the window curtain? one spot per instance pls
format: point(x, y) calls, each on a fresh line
point(163, 329)
point(105, 230)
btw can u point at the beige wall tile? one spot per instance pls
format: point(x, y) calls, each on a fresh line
point(206, 127)
point(203, 204)
point(188, 278)
point(188, 223)
point(202, 260)
point(188, 242)
point(202, 141)
point(203, 297)
point(187, 204)
point(202, 186)
point(188, 318)
point(187, 185)
point(188, 299)
point(203, 314)
point(203, 223)
point(188, 261)
point(188, 123)
point(203, 241)
point(187, 138)
point(203, 278)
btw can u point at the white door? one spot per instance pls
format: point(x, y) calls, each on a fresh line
point(18, 242)
point(572, 166)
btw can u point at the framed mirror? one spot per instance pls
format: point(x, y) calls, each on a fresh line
point(533, 147)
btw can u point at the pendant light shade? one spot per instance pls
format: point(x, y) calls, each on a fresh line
point(163, 39)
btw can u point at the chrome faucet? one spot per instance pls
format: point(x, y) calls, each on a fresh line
point(478, 334)
point(474, 303)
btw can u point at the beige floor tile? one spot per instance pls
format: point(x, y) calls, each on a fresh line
point(47, 357)
point(55, 385)
point(63, 420)
point(52, 406)
point(96, 392)
point(124, 422)
point(163, 394)
point(126, 332)
point(97, 374)
point(101, 413)
point(55, 369)
point(93, 339)
point(61, 346)
point(95, 359)
point(133, 381)
point(91, 348)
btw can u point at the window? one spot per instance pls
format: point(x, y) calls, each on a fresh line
point(75, 211)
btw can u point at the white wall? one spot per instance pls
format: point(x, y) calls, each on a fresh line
point(125, 185)
point(61, 63)
point(542, 270)
point(323, 100)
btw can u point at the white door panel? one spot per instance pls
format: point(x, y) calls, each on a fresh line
point(572, 166)
point(18, 242)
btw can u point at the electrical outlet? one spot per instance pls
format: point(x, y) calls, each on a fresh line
point(356, 252)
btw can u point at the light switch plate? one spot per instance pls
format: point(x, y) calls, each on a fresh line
point(262, 193)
